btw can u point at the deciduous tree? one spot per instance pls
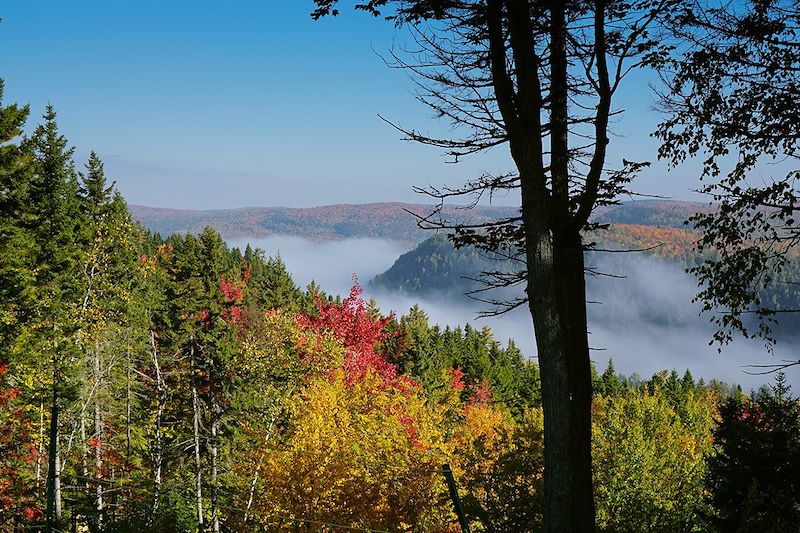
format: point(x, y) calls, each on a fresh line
point(731, 97)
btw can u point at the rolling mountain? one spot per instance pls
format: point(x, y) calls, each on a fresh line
point(390, 221)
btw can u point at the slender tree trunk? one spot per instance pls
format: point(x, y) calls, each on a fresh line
point(158, 452)
point(41, 444)
point(196, 434)
point(254, 481)
point(59, 468)
point(214, 482)
point(84, 453)
point(53, 508)
point(51, 515)
point(98, 434)
point(128, 399)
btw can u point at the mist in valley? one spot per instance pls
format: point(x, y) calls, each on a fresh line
point(627, 309)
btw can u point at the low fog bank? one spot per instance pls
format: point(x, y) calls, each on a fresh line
point(622, 324)
point(635, 347)
point(331, 264)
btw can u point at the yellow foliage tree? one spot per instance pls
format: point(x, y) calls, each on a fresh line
point(649, 460)
point(360, 455)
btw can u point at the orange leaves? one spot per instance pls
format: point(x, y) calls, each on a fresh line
point(664, 241)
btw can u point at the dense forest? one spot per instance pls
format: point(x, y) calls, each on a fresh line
point(177, 384)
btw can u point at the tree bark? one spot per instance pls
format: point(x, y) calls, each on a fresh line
point(196, 436)
point(41, 444)
point(57, 483)
point(98, 434)
point(214, 485)
point(128, 400)
point(158, 453)
point(53, 508)
point(554, 255)
point(84, 453)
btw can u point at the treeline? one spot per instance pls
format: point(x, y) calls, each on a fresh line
point(175, 384)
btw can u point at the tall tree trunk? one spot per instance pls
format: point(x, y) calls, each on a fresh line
point(557, 304)
point(128, 398)
point(196, 435)
point(84, 454)
point(158, 453)
point(214, 482)
point(57, 484)
point(554, 255)
point(53, 508)
point(41, 444)
point(98, 435)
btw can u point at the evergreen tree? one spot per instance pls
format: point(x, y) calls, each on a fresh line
point(753, 478)
point(110, 240)
point(52, 214)
point(16, 242)
point(609, 384)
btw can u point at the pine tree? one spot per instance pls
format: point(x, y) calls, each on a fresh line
point(53, 216)
point(15, 242)
point(109, 237)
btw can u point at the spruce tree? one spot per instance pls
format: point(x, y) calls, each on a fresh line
point(15, 242)
point(109, 238)
point(53, 216)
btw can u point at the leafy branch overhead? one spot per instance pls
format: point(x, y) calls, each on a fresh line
point(731, 100)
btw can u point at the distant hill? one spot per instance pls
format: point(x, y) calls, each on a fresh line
point(390, 221)
point(434, 266)
point(668, 213)
point(650, 287)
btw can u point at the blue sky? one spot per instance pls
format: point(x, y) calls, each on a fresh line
point(228, 104)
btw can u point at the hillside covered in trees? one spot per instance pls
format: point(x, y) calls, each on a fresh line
point(392, 221)
point(622, 254)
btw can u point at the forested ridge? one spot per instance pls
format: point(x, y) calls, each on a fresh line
point(436, 268)
point(172, 383)
point(392, 221)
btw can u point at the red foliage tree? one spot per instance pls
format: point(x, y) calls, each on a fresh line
point(17, 452)
point(361, 334)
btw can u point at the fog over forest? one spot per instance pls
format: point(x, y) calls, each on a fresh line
point(618, 325)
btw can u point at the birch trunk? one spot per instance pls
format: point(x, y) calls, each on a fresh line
point(84, 453)
point(158, 453)
point(196, 435)
point(98, 434)
point(254, 481)
point(214, 485)
point(41, 444)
